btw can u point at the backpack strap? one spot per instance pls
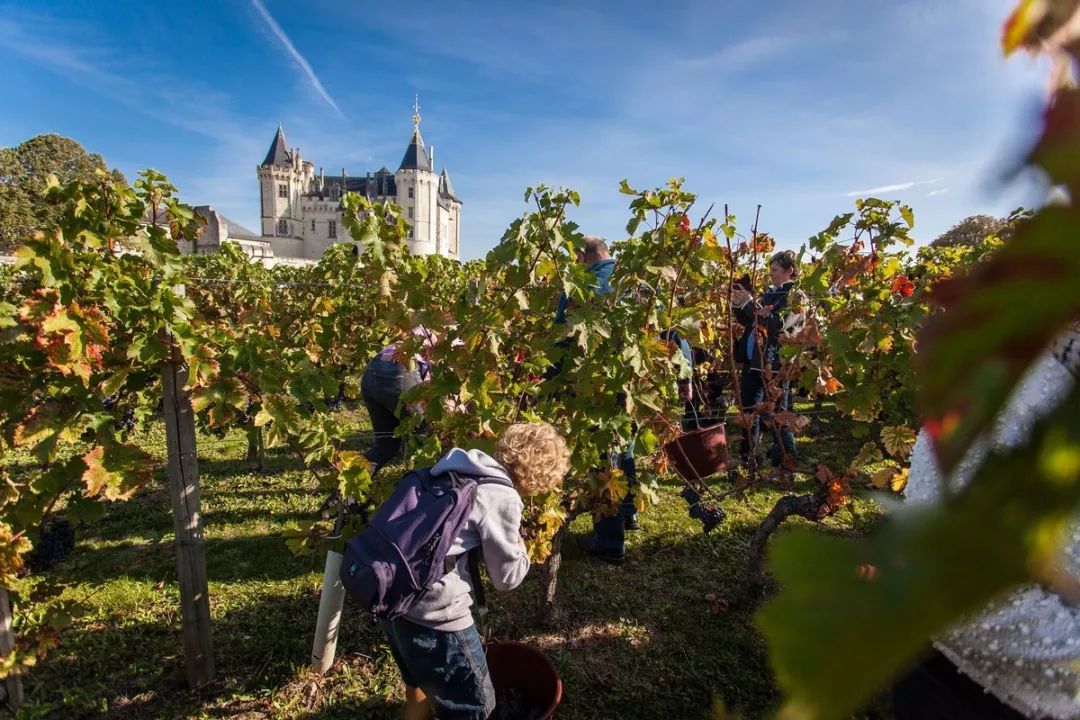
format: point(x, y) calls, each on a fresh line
point(475, 556)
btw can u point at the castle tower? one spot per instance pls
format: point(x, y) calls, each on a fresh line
point(448, 240)
point(284, 176)
point(417, 192)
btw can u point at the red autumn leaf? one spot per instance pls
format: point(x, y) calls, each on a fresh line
point(903, 286)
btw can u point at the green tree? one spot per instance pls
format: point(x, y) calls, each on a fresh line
point(23, 171)
point(972, 230)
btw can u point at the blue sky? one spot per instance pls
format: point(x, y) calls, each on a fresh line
point(793, 105)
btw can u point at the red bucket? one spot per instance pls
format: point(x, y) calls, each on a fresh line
point(697, 455)
point(528, 673)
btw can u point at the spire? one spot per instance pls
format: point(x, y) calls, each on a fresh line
point(415, 157)
point(446, 189)
point(278, 154)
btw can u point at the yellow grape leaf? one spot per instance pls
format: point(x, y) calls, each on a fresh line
point(898, 440)
point(899, 481)
point(645, 497)
point(890, 479)
point(868, 453)
point(614, 483)
point(354, 476)
point(1028, 14)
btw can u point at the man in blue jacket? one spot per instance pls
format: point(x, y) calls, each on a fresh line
point(597, 256)
point(608, 540)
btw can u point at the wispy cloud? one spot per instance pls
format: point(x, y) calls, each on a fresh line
point(755, 51)
point(935, 193)
point(305, 66)
point(740, 54)
point(885, 189)
point(80, 55)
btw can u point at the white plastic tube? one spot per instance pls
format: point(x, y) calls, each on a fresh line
point(326, 628)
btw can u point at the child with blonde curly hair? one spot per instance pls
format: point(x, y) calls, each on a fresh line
point(436, 644)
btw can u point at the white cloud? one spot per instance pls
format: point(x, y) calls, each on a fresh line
point(740, 54)
point(305, 66)
point(885, 189)
point(935, 193)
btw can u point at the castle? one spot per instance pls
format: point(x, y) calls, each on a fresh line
point(301, 211)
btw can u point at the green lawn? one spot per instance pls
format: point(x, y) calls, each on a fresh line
point(640, 640)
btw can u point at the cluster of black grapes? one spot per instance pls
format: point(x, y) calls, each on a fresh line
point(334, 403)
point(126, 423)
point(56, 541)
point(710, 515)
point(248, 416)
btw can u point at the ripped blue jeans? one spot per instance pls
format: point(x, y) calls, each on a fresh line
point(450, 667)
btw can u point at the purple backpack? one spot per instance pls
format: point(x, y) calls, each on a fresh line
point(402, 552)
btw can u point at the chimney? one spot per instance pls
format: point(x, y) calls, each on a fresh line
point(431, 157)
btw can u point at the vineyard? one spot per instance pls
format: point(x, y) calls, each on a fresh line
point(183, 440)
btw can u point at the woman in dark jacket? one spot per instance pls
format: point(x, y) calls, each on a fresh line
point(755, 356)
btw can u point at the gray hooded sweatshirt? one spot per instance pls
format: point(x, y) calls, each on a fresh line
point(494, 524)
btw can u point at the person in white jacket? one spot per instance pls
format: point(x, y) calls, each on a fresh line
point(1020, 657)
point(436, 645)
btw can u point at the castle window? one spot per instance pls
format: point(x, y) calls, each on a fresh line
point(282, 190)
point(332, 232)
point(410, 211)
point(412, 193)
point(312, 227)
point(282, 227)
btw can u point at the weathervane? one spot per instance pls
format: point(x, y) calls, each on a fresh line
point(416, 113)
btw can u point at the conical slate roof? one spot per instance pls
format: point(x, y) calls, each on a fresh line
point(446, 189)
point(415, 157)
point(278, 154)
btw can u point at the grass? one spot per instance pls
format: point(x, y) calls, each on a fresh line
point(663, 635)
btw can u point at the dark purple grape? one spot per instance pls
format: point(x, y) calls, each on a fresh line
point(56, 541)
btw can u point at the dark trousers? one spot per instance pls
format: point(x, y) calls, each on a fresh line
point(937, 690)
point(611, 530)
point(381, 387)
point(752, 392)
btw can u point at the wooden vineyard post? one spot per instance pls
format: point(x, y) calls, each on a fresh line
point(330, 603)
point(13, 683)
point(187, 520)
